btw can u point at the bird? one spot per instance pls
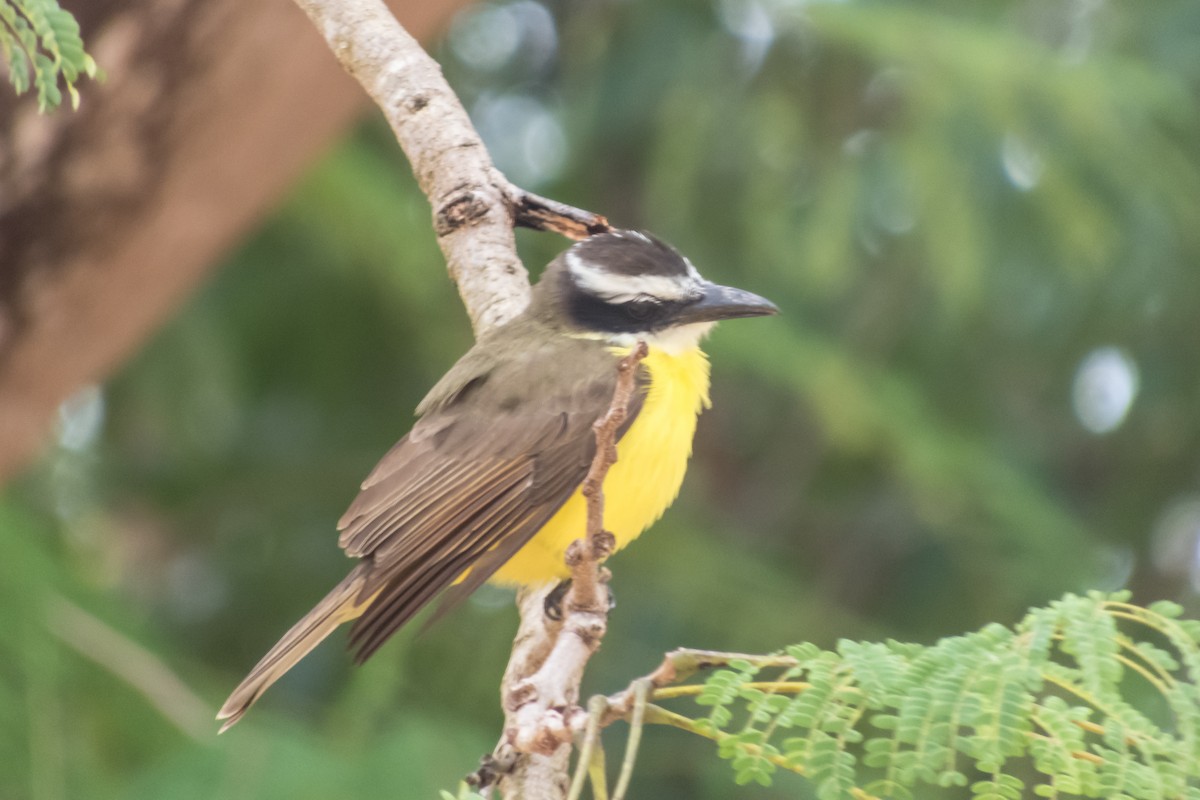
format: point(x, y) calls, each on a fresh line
point(486, 485)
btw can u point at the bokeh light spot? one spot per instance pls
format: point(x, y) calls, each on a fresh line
point(1023, 166)
point(81, 418)
point(523, 136)
point(1175, 545)
point(1106, 384)
point(751, 24)
point(485, 37)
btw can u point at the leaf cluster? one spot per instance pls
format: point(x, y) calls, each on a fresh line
point(41, 46)
point(1091, 696)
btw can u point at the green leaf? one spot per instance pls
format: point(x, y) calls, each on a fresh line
point(1166, 608)
point(43, 50)
point(1045, 698)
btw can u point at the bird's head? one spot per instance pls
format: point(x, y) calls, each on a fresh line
point(627, 285)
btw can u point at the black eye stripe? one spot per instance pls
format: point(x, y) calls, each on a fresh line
point(631, 316)
point(642, 309)
point(626, 282)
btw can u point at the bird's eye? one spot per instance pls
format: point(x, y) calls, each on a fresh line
point(642, 308)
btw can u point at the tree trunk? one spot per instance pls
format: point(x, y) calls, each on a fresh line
point(111, 216)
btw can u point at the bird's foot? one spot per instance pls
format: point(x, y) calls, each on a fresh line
point(492, 767)
point(553, 604)
point(554, 600)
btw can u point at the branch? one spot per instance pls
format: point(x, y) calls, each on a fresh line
point(1059, 699)
point(474, 211)
point(474, 206)
point(677, 666)
point(542, 706)
point(539, 213)
point(540, 691)
point(135, 665)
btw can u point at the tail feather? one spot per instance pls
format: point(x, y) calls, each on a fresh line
point(340, 605)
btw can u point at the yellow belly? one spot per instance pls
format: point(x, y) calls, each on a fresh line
point(652, 457)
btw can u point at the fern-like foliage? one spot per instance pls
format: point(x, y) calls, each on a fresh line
point(41, 46)
point(1090, 697)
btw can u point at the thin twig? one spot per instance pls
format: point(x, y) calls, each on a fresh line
point(541, 709)
point(598, 771)
point(584, 557)
point(657, 715)
point(135, 665)
point(679, 665)
point(542, 214)
point(474, 206)
point(591, 736)
point(693, 689)
point(1079, 755)
point(641, 694)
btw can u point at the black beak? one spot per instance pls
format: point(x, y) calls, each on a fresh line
point(726, 302)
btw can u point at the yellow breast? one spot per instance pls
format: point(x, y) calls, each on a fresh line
point(652, 458)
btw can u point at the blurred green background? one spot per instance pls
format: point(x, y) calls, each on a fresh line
point(982, 223)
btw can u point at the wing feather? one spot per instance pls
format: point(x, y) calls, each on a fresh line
point(504, 439)
point(374, 497)
point(491, 461)
point(410, 511)
point(407, 594)
point(463, 516)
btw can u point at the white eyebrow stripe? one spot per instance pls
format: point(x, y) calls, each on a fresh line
point(632, 235)
point(621, 288)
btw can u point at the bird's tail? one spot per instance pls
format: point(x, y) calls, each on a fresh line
point(340, 605)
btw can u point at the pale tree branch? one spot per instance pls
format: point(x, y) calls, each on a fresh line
point(135, 665)
point(541, 709)
point(475, 209)
point(474, 206)
point(540, 690)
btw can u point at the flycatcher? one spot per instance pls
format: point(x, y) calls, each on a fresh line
point(486, 485)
